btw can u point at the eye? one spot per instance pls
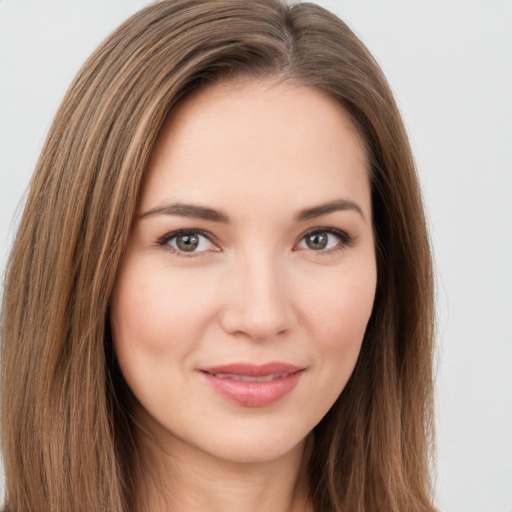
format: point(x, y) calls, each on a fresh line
point(188, 242)
point(322, 240)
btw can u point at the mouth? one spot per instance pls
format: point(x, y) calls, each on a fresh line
point(248, 378)
point(253, 385)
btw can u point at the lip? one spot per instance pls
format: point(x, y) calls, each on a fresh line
point(252, 385)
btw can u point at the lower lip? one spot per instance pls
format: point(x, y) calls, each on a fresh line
point(254, 394)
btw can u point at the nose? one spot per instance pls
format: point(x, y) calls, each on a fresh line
point(260, 304)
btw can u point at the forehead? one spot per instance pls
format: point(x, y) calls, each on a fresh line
point(237, 140)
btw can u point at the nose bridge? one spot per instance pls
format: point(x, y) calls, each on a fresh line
point(260, 305)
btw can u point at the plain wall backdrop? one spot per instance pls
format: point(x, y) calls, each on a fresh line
point(449, 64)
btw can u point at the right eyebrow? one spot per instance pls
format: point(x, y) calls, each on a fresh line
point(188, 210)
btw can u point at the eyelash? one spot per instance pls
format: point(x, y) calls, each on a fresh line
point(345, 240)
point(164, 241)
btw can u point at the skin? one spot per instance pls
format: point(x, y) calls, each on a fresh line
point(260, 152)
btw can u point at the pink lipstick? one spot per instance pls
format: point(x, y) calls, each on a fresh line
point(253, 385)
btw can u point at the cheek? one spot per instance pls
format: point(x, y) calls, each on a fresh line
point(154, 330)
point(343, 306)
point(337, 319)
point(152, 311)
point(149, 325)
point(346, 315)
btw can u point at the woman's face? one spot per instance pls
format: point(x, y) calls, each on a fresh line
point(250, 273)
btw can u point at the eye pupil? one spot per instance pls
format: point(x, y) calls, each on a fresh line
point(187, 243)
point(317, 241)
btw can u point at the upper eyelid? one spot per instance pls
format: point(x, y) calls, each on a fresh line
point(345, 237)
point(173, 234)
point(324, 229)
point(321, 229)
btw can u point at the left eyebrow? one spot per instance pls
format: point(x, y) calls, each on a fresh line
point(324, 209)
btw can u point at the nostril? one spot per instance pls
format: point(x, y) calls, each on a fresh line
point(242, 321)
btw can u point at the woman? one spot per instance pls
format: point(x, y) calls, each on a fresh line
point(220, 294)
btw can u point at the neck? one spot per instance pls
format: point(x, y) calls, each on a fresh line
point(196, 482)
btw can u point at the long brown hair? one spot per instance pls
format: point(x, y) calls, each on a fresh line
point(67, 433)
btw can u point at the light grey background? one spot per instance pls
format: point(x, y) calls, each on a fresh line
point(450, 65)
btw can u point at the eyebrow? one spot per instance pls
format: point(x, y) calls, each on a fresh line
point(330, 207)
point(211, 214)
point(190, 211)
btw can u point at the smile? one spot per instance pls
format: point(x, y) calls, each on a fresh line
point(252, 385)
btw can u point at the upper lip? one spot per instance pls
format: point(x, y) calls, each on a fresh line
point(253, 370)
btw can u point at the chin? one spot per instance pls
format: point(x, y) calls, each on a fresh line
point(258, 450)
